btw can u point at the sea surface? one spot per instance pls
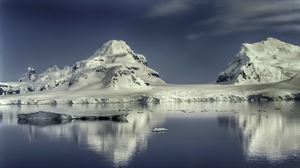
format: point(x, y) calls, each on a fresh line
point(208, 135)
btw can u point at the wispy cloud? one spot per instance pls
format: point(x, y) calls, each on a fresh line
point(252, 15)
point(195, 36)
point(170, 7)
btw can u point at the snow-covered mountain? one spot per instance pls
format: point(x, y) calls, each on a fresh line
point(268, 71)
point(114, 65)
point(30, 75)
point(267, 61)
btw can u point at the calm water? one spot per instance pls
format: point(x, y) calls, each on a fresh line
point(239, 135)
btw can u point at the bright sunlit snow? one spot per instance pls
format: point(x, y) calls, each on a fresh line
point(267, 71)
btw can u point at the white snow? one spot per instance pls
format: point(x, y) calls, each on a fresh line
point(268, 61)
point(159, 130)
point(114, 65)
point(267, 70)
point(30, 75)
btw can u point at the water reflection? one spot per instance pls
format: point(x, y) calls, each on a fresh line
point(268, 131)
point(8, 118)
point(117, 141)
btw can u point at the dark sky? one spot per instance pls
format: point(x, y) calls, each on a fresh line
point(186, 41)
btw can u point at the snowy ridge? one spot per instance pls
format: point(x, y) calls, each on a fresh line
point(268, 61)
point(30, 75)
point(114, 65)
point(263, 71)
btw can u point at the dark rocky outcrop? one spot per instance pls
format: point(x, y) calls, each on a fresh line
point(43, 118)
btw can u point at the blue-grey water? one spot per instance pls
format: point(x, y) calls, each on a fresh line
point(208, 135)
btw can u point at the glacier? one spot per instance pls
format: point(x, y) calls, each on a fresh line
point(263, 71)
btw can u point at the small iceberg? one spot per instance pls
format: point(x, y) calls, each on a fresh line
point(159, 130)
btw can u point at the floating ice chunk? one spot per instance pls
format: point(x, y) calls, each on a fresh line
point(160, 130)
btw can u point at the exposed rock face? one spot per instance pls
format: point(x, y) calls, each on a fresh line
point(30, 75)
point(8, 89)
point(43, 118)
point(50, 118)
point(268, 61)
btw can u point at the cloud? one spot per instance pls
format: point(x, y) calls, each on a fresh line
point(170, 7)
point(195, 36)
point(253, 15)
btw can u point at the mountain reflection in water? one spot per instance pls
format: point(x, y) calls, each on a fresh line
point(264, 131)
point(116, 141)
point(267, 132)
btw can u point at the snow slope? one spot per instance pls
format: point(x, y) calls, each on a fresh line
point(267, 70)
point(268, 61)
point(280, 91)
point(114, 65)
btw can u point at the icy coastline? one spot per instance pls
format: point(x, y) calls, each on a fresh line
point(263, 71)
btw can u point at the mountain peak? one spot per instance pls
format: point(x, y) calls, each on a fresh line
point(30, 75)
point(267, 61)
point(114, 65)
point(273, 39)
point(274, 42)
point(269, 43)
point(113, 47)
